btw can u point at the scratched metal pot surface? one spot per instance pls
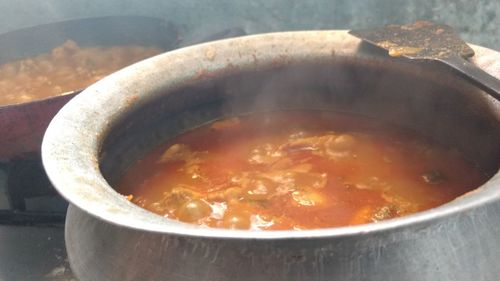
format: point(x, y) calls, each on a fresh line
point(112, 123)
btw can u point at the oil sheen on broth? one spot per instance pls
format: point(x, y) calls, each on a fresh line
point(66, 68)
point(297, 170)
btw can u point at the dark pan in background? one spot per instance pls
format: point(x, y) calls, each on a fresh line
point(22, 125)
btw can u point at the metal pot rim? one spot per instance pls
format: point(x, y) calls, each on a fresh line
point(72, 141)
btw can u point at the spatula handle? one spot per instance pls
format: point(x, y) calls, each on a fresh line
point(474, 74)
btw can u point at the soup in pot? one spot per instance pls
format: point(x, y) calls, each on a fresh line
point(66, 68)
point(297, 170)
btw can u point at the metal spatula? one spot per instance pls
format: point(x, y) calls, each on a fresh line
point(425, 40)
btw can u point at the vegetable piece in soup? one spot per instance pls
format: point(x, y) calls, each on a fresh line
point(297, 170)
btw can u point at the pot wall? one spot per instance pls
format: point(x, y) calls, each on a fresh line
point(458, 249)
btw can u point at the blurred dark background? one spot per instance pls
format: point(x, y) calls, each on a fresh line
point(478, 21)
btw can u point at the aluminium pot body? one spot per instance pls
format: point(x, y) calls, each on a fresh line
point(102, 131)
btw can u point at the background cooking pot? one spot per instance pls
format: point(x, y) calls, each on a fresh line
point(99, 133)
point(22, 125)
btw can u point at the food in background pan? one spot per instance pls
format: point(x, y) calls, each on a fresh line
point(67, 67)
point(297, 170)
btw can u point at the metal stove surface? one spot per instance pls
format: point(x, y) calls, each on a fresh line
point(31, 224)
point(29, 253)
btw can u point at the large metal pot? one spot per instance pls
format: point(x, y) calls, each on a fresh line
point(102, 131)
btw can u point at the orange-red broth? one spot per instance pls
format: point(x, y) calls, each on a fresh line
point(297, 170)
